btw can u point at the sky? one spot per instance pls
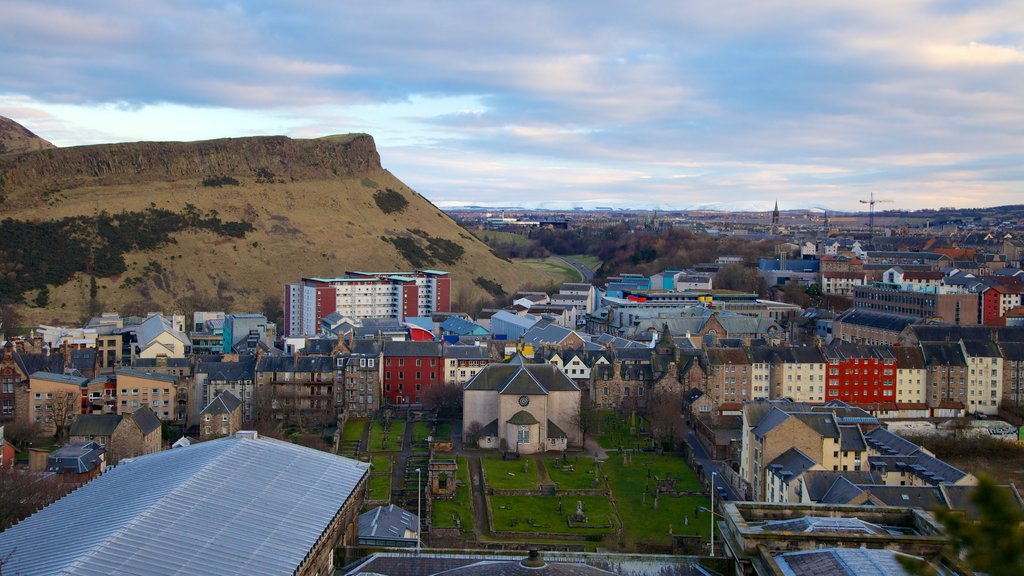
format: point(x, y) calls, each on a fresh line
point(655, 104)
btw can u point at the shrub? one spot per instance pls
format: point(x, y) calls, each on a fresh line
point(218, 181)
point(390, 201)
point(492, 287)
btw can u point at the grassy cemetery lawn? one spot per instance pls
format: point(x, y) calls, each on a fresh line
point(574, 473)
point(634, 498)
point(379, 487)
point(541, 514)
point(444, 431)
point(380, 465)
point(616, 432)
point(420, 433)
point(394, 443)
point(444, 512)
point(354, 430)
point(509, 474)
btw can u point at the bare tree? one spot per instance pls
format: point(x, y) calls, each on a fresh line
point(62, 409)
point(22, 433)
point(445, 398)
point(666, 417)
point(22, 493)
point(584, 418)
point(473, 431)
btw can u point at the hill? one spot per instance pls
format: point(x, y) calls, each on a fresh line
point(218, 224)
point(16, 138)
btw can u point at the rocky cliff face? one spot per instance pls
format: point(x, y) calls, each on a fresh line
point(16, 138)
point(270, 158)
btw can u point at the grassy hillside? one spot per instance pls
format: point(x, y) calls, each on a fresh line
point(310, 217)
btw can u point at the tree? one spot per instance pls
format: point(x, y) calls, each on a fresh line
point(739, 277)
point(10, 320)
point(666, 415)
point(62, 409)
point(584, 418)
point(445, 398)
point(990, 540)
point(473, 432)
point(22, 493)
point(21, 433)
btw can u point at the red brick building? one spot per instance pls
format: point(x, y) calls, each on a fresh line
point(860, 374)
point(411, 368)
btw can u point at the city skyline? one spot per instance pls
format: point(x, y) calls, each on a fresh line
point(548, 105)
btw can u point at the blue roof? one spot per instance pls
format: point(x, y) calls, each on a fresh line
point(229, 506)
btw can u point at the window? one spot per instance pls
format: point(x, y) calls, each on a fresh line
point(523, 437)
point(206, 418)
point(224, 418)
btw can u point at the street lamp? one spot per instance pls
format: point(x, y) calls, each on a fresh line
point(713, 474)
point(419, 521)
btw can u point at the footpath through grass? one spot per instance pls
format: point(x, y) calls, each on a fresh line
point(640, 520)
point(444, 512)
point(510, 474)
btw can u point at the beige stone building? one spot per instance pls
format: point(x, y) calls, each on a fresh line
point(137, 434)
point(984, 376)
point(158, 392)
point(523, 408)
point(221, 417)
point(911, 375)
point(48, 396)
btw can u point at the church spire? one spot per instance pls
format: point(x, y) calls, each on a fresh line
point(775, 214)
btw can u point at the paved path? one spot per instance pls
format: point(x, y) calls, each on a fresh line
point(586, 274)
point(479, 503)
point(706, 465)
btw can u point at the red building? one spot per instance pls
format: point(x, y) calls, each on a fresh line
point(997, 299)
point(364, 295)
point(410, 369)
point(860, 374)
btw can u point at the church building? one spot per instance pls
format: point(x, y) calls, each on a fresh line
point(523, 408)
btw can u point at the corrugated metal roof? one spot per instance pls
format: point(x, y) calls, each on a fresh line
point(228, 506)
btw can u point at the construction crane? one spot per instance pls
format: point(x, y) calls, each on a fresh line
point(871, 201)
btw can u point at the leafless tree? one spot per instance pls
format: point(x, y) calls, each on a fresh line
point(62, 409)
point(584, 418)
point(21, 433)
point(666, 417)
point(22, 493)
point(445, 398)
point(473, 431)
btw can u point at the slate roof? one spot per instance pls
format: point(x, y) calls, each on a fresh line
point(851, 440)
point(491, 429)
point(461, 327)
point(550, 334)
point(244, 369)
point(169, 378)
point(887, 443)
point(395, 348)
point(29, 363)
point(877, 320)
point(981, 349)
point(296, 364)
point(232, 486)
point(145, 419)
point(818, 482)
point(61, 378)
point(943, 354)
point(842, 562)
point(389, 522)
point(522, 418)
point(790, 464)
point(95, 424)
point(843, 351)
point(554, 431)
point(466, 352)
point(142, 363)
point(908, 357)
point(514, 378)
point(81, 456)
point(842, 491)
point(223, 403)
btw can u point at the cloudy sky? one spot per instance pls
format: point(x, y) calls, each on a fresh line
point(664, 104)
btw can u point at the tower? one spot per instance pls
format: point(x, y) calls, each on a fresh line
point(775, 216)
